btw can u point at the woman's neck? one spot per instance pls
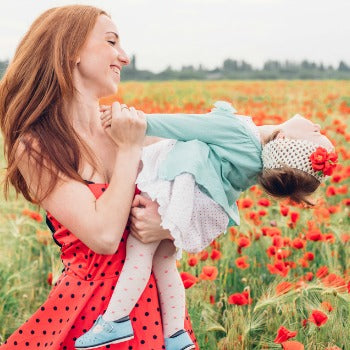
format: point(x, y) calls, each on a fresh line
point(84, 116)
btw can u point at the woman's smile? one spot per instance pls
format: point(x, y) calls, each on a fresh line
point(116, 69)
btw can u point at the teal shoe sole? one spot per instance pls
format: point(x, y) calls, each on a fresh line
point(115, 341)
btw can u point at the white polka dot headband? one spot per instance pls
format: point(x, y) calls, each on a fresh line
point(299, 154)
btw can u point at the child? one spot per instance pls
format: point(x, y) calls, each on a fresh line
point(196, 175)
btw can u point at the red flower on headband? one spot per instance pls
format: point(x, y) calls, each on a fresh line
point(323, 162)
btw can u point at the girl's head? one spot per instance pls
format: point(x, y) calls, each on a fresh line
point(296, 159)
point(300, 128)
point(67, 51)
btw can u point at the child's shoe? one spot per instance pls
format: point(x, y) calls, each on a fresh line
point(179, 341)
point(106, 332)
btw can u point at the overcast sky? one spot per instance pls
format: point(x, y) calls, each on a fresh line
point(184, 32)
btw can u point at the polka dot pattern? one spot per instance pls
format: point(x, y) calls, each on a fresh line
point(82, 292)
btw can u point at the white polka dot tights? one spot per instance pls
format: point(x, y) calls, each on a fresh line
point(140, 260)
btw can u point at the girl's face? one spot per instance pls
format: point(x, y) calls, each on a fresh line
point(301, 128)
point(101, 60)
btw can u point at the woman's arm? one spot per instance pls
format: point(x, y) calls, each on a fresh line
point(99, 223)
point(145, 221)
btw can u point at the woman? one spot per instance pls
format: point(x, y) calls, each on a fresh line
point(59, 157)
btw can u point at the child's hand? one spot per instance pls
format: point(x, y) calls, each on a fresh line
point(126, 126)
point(106, 114)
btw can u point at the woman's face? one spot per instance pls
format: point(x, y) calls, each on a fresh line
point(101, 59)
point(301, 128)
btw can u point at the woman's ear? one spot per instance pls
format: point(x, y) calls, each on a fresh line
point(77, 60)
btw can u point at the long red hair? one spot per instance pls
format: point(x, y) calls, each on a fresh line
point(37, 81)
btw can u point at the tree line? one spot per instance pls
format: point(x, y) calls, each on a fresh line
point(236, 69)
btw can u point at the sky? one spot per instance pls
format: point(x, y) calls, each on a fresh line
point(192, 32)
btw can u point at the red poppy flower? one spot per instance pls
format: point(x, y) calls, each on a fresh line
point(246, 203)
point(264, 202)
point(315, 235)
point(303, 263)
point(318, 317)
point(209, 273)
point(284, 287)
point(308, 276)
point(279, 268)
point(319, 158)
point(309, 256)
point(333, 280)
point(277, 241)
point(192, 261)
point(283, 334)
point(271, 251)
point(243, 242)
point(188, 279)
point(239, 299)
point(327, 306)
point(241, 262)
point(322, 272)
point(284, 210)
point(331, 191)
point(292, 345)
point(294, 216)
point(203, 255)
point(282, 254)
point(271, 231)
point(342, 189)
point(345, 237)
point(323, 162)
point(233, 233)
point(215, 254)
point(298, 243)
point(215, 244)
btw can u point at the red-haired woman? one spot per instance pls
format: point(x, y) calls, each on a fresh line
point(59, 156)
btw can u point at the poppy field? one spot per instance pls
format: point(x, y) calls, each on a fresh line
point(281, 280)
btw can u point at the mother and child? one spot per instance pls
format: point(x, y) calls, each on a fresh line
point(120, 288)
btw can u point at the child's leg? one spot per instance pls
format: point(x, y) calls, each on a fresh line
point(133, 278)
point(171, 290)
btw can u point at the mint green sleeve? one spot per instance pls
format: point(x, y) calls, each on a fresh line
point(208, 128)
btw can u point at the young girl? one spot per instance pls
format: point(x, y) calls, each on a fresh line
point(196, 175)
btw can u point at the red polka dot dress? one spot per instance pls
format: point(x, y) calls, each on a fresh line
point(82, 293)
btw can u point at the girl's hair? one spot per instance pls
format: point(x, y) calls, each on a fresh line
point(37, 81)
point(287, 182)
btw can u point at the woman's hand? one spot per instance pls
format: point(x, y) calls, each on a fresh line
point(126, 126)
point(145, 221)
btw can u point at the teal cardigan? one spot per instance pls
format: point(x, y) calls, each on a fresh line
point(217, 148)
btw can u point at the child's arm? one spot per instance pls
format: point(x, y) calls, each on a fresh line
point(186, 127)
point(208, 128)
